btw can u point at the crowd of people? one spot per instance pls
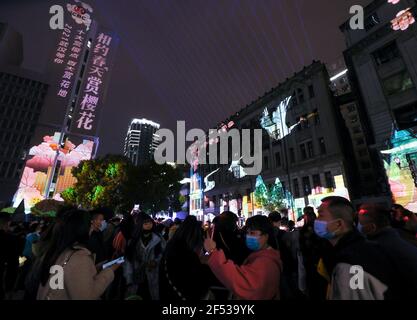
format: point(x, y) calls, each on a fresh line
point(339, 253)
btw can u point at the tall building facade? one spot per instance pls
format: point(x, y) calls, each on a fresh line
point(141, 141)
point(382, 65)
point(310, 161)
point(22, 94)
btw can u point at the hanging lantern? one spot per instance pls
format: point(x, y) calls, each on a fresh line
point(403, 20)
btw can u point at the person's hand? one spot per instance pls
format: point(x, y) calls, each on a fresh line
point(115, 266)
point(99, 266)
point(209, 245)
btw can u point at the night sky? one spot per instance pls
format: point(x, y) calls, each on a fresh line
point(193, 60)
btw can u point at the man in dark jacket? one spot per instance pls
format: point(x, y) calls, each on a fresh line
point(312, 248)
point(374, 222)
point(11, 247)
point(96, 242)
point(358, 269)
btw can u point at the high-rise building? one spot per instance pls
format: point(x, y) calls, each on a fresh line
point(141, 141)
point(22, 94)
point(382, 65)
point(11, 46)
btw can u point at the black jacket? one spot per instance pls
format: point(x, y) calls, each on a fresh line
point(97, 246)
point(182, 275)
point(353, 249)
point(403, 256)
point(11, 247)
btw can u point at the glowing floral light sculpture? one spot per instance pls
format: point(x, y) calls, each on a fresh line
point(393, 1)
point(403, 20)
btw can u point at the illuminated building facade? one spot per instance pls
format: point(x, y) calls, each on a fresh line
point(141, 141)
point(22, 94)
point(382, 64)
point(308, 158)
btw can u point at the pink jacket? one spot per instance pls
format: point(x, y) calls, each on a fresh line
point(258, 278)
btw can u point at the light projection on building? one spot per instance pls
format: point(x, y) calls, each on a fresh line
point(237, 169)
point(39, 168)
point(400, 163)
point(276, 126)
point(403, 20)
point(209, 185)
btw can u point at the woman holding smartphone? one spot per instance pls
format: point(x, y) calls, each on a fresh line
point(67, 250)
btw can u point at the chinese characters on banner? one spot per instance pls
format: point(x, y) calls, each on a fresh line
point(69, 57)
point(86, 113)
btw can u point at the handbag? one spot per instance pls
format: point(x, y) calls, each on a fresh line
point(208, 296)
point(67, 259)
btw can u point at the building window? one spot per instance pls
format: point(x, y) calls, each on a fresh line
point(386, 54)
point(371, 21)
point(310, 150)
point(365, 164)
point(354, 119)
point(406, 116)
point(316, 117)
point(306, 186)
point(316, 180)
point(296, 188)
point(360, 141)
point(322, 146)
point(351, 108)
point(303, 151)
point(292, 155)
point(362, 153)
point(266, 164)
point(294, 99)
point(397, 83)
point(305, 122)
point(329, 179)
point(277, 159)
point(300, 95)
point(311, 91)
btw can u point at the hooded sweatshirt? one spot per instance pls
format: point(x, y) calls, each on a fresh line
point(258, 278)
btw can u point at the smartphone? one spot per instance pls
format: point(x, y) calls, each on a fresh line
point(115, 261)
point(136, 207)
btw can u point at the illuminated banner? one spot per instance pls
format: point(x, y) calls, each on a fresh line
point(64, 63)
point(39, 168)
point(96, 78)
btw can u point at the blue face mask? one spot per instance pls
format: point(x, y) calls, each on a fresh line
point(252, 242)
point(320, 228)
point(103, 225)
point(359, 227)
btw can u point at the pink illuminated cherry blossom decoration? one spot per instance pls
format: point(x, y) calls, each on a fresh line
point(393, 1)
point(403, 20)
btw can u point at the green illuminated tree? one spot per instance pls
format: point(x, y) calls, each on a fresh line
point(112, 181)
point(269, 197)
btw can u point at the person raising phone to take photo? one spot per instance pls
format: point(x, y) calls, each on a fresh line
point(258, 278)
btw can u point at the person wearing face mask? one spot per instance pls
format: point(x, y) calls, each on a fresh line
point(143, 254)
point(374, 223)
point(96, 241)
point(353, 254)
point(258, 278)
